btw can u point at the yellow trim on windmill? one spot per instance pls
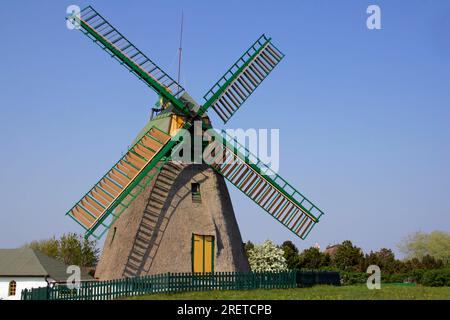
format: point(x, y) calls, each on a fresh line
point(176, 123)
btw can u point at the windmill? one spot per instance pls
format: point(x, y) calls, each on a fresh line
point(174, 216)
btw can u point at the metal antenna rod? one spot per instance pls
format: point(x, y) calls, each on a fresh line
point(180, 49)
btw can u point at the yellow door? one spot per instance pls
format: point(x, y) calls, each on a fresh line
point(202, 253)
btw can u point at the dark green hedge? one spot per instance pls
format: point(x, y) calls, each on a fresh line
point(436, 278)
point(306, 278)
point(431, 278)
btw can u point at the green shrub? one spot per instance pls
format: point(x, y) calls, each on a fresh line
point(436, 278)
point(395, 278)
point(350, 278)
point(429, 278)
point(416, 275)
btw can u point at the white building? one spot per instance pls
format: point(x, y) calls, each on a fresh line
point(26, 268)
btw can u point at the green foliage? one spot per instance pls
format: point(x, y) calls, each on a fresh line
point(385, 259)
point(312, 258)
point(89, 253)
point(71, 249)
point(425, 266)
point(430, 262)
point(395, 278)
point(436, 278)
point(416, 275)
point(267, 257)
point(430, 278)
point(427, 262)
point(435, 244)
point(348, 257)
point(247, 247)
point(351, 278)
point(75, 250)
point(290, 255)
point(49, 247)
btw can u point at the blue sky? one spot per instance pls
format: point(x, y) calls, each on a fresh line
point(363, 114)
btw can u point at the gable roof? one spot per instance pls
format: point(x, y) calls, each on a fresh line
point(33, 263)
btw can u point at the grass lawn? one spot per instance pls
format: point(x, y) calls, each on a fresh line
point(388, 291)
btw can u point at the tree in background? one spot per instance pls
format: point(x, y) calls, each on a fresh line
point(291, 255)
point(348, 257)
point(49, 247)
point(267, 257)
point(71, 249)
point(312, 258)
point(435, 244)
point(385, 259)
point(89, 253)
point(247, 247)
point(430, 262)
point(427, 262)
point(76, 250)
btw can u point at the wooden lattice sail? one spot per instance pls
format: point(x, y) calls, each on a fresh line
point(114, 188)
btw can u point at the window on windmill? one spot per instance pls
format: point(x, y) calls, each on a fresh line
point(195, 190)
point(12, 288)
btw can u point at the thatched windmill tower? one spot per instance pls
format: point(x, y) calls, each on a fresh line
point(165, 216)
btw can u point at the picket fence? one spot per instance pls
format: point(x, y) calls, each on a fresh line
point(164, 283)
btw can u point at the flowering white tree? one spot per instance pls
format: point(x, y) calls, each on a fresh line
point(267, 257)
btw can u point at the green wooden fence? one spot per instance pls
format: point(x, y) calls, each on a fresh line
point(164, 283)
point(35, 294)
